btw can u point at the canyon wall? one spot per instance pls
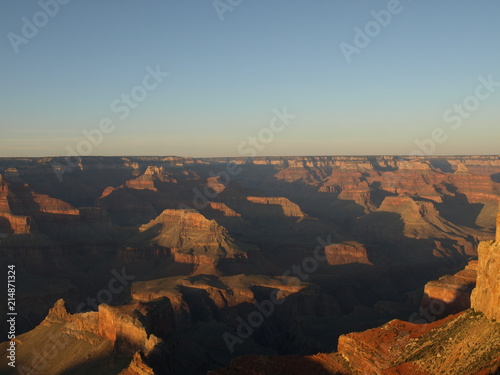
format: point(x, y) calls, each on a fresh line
point(486, 297)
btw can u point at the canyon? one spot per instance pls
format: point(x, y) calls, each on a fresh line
point(467, 342)
point(332, 265)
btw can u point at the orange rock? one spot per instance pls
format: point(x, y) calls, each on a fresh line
point(486, 297)
point(452, 293)
point(224, 209)
point(346, 253)
point(137, 367)
point(289, 208)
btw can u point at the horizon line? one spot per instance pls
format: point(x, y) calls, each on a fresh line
point(246, 157)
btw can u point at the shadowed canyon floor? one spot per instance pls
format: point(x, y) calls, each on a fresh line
point(166, 265)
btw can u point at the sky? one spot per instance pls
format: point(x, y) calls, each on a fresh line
point(249, 77)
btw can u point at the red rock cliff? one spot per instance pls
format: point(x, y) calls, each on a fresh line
point(486, 297)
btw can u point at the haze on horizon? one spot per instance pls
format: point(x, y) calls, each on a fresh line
point(230, 73)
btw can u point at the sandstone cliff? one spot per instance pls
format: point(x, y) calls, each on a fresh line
point(268, 207)
point(486, 296)
point(113, 340)
point(451, 293)
point(191, 237)
point(346, 253)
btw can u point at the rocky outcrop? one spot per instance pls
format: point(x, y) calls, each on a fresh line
point(451, 293)
point(20, 199)
point(460, 344)
point(498, 228)
point(130, 328)
point(376, 350)
point(420, 218)
point(124, 327)
point(57, 313)
point(191, 238)
point(147, 180)
point(486, 296)
point(401, 218)
point(49, 205)
point(203, 297)
point(4, 192)
point(106, 337)
point(288, 208)
point(15, 223)
point(137, 367)
point(107, 191)
point(11, 223)
point(223, 209)
point(214, 184)
point(346, 253)
point(23, 211)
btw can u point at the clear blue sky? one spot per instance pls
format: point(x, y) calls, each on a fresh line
point(227, 77)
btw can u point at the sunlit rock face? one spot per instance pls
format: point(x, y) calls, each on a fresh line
point(451, 294)
point(486, 296)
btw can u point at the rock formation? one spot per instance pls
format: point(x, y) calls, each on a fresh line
point(224, 209)
point(498, 228)
point(451, 293)
point(486, 296)
point(137, 367)
point(419, 219)
point(191, 237)
point(288, 208)
point(346, 253)
point(103, 339)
